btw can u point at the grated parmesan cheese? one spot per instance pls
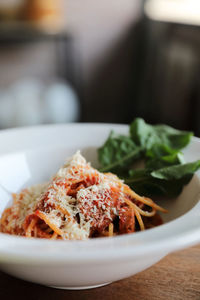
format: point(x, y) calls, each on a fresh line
point(93, 202)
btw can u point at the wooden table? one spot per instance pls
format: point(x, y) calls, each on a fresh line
point(176, 277)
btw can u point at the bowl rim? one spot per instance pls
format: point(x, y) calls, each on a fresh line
point(182, 232)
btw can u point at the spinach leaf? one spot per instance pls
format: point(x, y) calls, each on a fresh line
point(173, 188)
point(162, 156)
point(159, 146)
point(165, 181)
point(118, 153)
point(146, 135)
point(158, 150)
point(177, 171)
point(153, 186)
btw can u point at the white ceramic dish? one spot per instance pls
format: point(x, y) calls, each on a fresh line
point(32, 155)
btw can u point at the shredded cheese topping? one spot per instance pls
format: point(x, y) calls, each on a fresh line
point(77, 202)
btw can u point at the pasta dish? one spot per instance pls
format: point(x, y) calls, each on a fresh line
point(79, 202)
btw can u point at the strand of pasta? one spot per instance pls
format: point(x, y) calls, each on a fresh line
point(54, 236)
point(134, 195)
point(63, 210)
point(144, 200)
point(150, 202)
point(110, 229)
point(138, 216)
point(47, 220)
point(142, 212)
point(30, 227)
point(137, 213)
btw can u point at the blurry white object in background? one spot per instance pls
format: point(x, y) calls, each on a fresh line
point(184, 11)
point(6, 110)
point(26, 97)
point(30, 102)
point(61, 104)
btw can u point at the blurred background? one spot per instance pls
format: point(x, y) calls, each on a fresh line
point(100, 61)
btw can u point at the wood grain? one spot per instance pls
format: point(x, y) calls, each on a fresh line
point(176, 277)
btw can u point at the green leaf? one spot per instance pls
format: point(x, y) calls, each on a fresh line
point(166, 181)
point(160, 156)
point(165, 172)
point(149, 186)
point(173, 188)
point(117, 153)
point(146, 135)
point(164, 161)
point(177, 171)
point(158, 150)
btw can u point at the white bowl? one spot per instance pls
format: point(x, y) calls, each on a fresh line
point(32, 155)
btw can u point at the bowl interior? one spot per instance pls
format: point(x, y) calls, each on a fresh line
point(24, 168)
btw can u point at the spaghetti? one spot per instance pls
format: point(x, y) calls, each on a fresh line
point(79, 203)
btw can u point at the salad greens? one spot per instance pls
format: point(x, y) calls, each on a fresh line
point(159, 148)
